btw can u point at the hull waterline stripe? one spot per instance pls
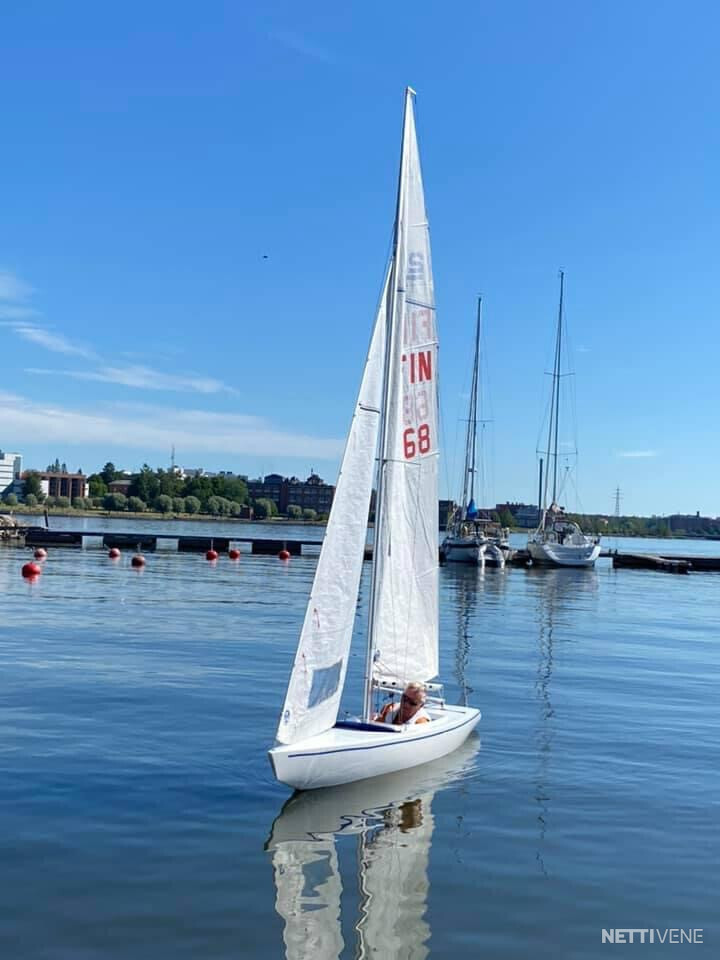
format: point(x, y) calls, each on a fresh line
point(379, 746)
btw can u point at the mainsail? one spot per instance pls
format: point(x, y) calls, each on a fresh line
point(404, 615)
point(318, 674)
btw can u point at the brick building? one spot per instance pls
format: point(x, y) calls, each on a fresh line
point(310, 494)
point(63, 484)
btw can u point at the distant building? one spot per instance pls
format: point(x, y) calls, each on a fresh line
point(311, 494)
point(524, 514)
point(691, 523)
point(119, 486)
point(10, 472)
point(54, 484)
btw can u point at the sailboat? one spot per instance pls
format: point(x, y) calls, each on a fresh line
point(558, 540)
point(394, 434)
point(471, 538)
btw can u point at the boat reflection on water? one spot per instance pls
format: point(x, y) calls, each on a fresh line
point(464, 587)
point(390, 819)
point(559, 590)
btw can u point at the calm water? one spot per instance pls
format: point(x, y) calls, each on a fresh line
point(140, 818)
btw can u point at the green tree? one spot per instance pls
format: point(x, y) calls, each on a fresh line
point(218, 506)
point(80, 503)
point(169, 482)
point(506, 518)
point(192, 505)
point(179, 504)
point(145, 485)
point(10, 499)
point(136, 505)
point(96, 485)
point(31, 500)
point(200, 487)
point(109, 473)
point(164, 503)
point(232, 488)
point(63, 502)
point(264, 508)
point(114, 501)
point(294, 511)
point(309, 514)
point(32, 484)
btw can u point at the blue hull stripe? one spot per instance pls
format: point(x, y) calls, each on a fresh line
point(379, 746)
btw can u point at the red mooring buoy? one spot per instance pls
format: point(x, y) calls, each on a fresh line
point(31, 570)
point(211, 555)
point(234, 554)
point(284, 555)
point(40, 553)
point(114, 553)
point(138, 560)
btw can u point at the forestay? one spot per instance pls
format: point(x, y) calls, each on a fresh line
point(318, 674)
point(404, 637)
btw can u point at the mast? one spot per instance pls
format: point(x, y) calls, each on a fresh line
point(471, 435)
point(555, 404)
point(557, 387)
point(391, 305)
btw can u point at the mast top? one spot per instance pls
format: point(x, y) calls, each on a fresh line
point(410, 90)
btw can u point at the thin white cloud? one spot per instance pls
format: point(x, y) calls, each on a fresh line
point(12, 287)
point(25, 322)
point(637, 453)
point(144, 378)
point(157, 428)
point(55, 342)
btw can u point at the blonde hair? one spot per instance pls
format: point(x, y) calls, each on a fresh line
point(417, 685)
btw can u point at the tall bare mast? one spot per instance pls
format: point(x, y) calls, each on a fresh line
point(555, 404)
point(471, 435)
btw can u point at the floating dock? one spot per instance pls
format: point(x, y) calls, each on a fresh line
point(148, 543)
point(650, 561)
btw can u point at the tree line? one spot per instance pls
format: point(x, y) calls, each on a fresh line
point(161, 491)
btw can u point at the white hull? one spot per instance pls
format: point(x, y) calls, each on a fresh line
point(564, 555)
point(463, 550)
point(494, 555)
point(357, 751)
point(458, 550)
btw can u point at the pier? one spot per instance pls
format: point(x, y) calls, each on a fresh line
point(269, 546)
point(151, 542)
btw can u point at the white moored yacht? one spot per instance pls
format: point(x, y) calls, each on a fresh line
point(557, 539)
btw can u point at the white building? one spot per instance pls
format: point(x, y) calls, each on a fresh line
point(10, 470)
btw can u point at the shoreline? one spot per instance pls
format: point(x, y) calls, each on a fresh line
point(209, 518)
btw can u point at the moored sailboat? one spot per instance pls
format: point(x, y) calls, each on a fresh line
point(396, 414)
point(558, 540)
point(472, 538)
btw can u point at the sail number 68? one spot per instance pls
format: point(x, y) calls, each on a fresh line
point(416, 442)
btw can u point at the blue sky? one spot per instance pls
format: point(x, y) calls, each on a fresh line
point(154, 155)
